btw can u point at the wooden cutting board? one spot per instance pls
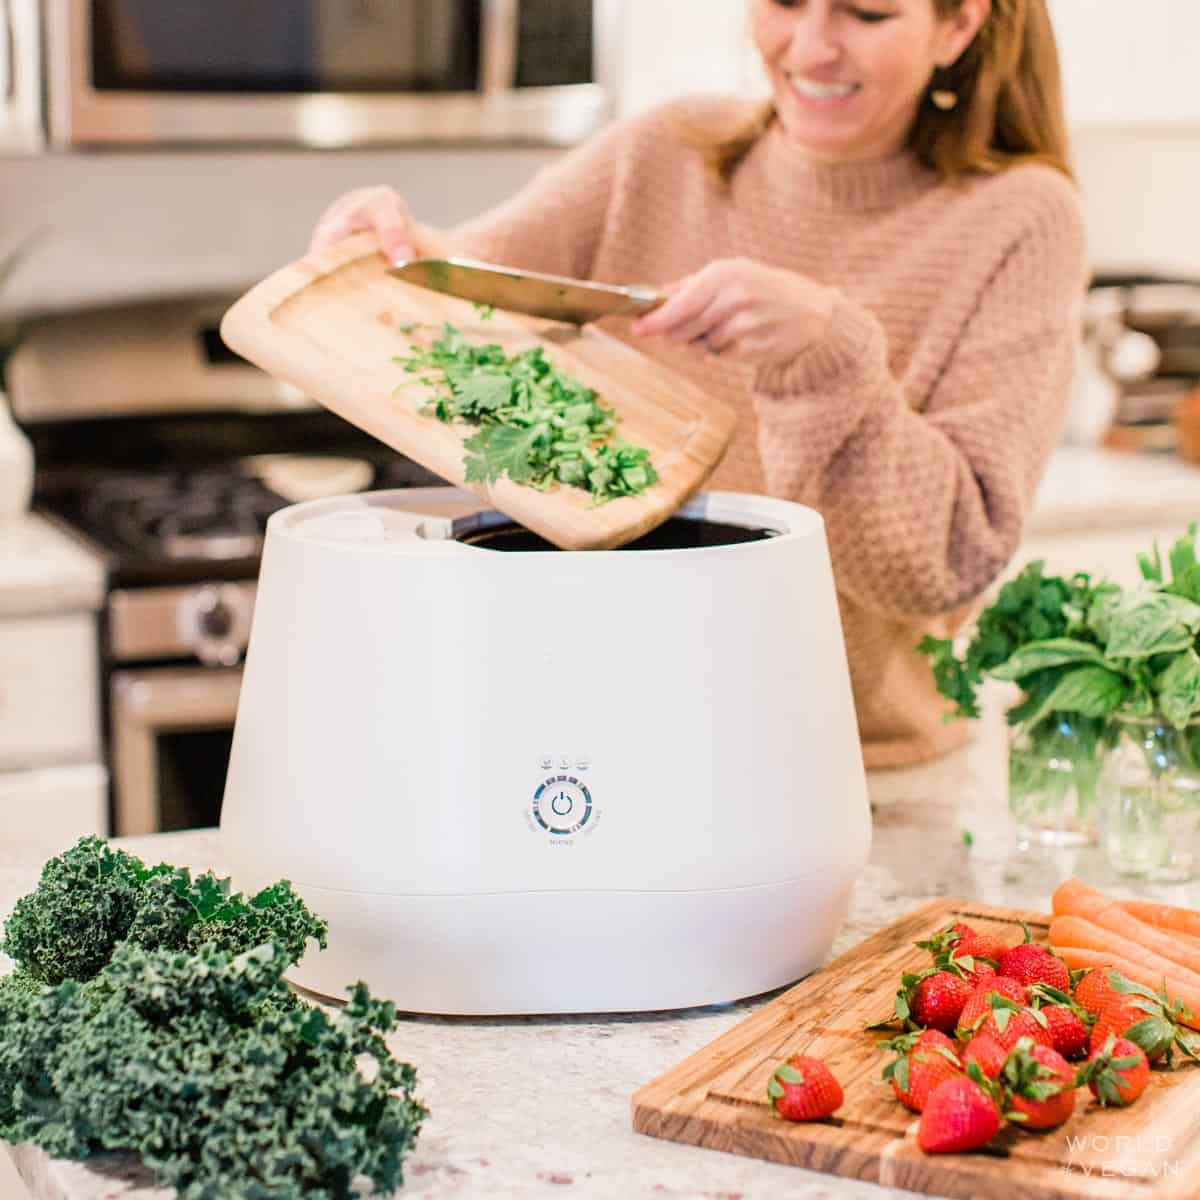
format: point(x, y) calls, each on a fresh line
point(331, 323)
point(718, 1096)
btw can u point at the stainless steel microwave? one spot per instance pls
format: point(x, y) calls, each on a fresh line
point(328, 72)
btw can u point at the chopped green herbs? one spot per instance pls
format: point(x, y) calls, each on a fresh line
point(535, 424)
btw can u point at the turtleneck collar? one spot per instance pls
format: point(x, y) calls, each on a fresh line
point(848, 186)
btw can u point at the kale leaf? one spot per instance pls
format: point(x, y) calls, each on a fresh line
point(196, 1062)
point(92, 897)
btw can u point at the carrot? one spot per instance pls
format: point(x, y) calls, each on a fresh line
point(1076, 899)
point(1087, 935)
point(1166, 916)
point(1079, 958)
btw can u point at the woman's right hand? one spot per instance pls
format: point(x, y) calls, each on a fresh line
point(379, 210)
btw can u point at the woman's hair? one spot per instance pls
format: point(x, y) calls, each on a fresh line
point(1009, 107)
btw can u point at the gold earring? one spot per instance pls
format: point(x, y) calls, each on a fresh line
point(943, 99)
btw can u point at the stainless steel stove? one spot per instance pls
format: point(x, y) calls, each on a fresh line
point(165, 454)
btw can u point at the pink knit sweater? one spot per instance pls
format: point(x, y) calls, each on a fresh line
point(921, 422)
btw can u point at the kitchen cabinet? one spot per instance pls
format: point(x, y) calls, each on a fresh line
point(53, 788)
point(1125, 65)
point(685, 47)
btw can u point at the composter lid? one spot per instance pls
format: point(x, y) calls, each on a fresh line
point(332, 323)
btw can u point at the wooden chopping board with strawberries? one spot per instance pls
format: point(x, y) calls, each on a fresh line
point(333, 324)
point(718, 1097)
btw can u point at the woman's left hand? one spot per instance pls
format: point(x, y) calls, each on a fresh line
point(744, 309)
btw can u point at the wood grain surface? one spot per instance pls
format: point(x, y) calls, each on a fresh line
point(331, 324)
point(718, 1096)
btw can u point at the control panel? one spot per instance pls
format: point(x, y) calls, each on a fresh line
point(562, 806)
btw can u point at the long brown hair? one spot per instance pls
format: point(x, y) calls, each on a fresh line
point(1009, 107)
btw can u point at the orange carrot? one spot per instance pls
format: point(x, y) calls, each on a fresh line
point(1079, 958)
point(1076, 899)
point(1087, 935)
point(1166, 916)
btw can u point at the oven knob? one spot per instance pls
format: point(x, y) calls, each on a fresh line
point(214, 622)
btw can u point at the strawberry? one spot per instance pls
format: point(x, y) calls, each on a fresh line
point(979, 1006)
point(804, 1089)
point(1136, 1013)
point(962, 942)
point(986, 1052)
point(1068, 1031)
point(922, 1061)
point(959, 1115)
point(1116, 1073)
point(1094, 988)
point(1069, 1024)
point(1040, 1084)
point(1030, 963)
point(1008, 1022)
point(935, 1000)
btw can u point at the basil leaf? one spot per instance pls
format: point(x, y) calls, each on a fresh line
point(1054, 652)
point(1178, 689)
point(1146, 623)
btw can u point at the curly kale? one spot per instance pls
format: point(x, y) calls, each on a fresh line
point(83, 906)
point(92, 898)
point(190, 1060)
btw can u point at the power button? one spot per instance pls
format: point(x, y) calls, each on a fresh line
point(562, 804)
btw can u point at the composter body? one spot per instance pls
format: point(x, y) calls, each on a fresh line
point(520, 780)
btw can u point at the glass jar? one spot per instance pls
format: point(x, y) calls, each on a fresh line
point(1150, 799)
point(1052, 775)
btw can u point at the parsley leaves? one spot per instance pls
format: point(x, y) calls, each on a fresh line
point(536, 424)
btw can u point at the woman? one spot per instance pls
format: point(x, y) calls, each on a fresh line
point(882, 268)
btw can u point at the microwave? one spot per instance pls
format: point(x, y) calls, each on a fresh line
point(20, 77)
point(328, 73)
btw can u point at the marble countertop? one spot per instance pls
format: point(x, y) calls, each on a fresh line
point(1087, 487)
point(544, 1109)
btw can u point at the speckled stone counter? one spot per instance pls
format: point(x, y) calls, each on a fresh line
point(539, 1107)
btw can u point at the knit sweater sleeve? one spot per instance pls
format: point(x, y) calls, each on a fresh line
point(924, 490)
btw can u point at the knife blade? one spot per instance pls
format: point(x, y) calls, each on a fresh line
point(555, 297)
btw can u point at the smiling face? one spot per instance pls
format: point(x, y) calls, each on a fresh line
point(847, 76)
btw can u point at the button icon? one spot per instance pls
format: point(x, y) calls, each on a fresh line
point(562, 805)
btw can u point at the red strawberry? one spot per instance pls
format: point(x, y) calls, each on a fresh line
point(959, 1115)
point(1030, 963)
point(961, 941)
point(984, 1050)
point(937, 1000)
point(1144, 1018)
point(804, 1089)
point(923, 1060)
point(1093, 989)
point(979, 1006)
point(1067, 1029)
point(1040, 1085)
point(976, 944)
point(1116, 1073)
point(1008, 1022)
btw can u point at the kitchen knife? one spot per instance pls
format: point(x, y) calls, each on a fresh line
point(552, 296)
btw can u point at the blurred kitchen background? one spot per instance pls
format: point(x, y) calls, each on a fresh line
point(157, 157)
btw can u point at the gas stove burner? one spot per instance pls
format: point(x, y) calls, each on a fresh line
point(203, 515)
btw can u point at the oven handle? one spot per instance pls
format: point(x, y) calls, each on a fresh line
point(145, 703)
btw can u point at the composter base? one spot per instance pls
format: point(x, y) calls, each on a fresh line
point(571, 952)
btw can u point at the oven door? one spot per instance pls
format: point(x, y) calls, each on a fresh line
point(172, 728)
point(20, 77)
point(326, 72)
